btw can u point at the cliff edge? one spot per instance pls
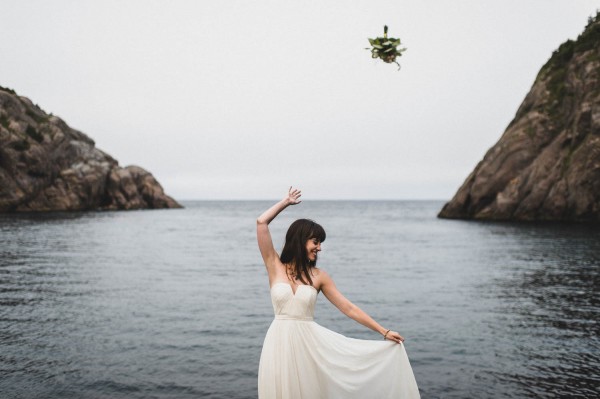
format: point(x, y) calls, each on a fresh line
point(546, 165)
point(47, 166)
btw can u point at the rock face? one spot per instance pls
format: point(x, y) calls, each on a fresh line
point(546, 165)
point(47, 166)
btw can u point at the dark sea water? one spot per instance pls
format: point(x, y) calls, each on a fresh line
point(175, 303)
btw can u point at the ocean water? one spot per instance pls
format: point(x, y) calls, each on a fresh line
point(175, 303)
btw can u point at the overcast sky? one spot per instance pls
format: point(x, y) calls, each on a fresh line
point(240, 99)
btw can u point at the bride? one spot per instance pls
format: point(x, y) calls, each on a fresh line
point(301, 359)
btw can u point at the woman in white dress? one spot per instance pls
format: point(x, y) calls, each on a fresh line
point(303, 360)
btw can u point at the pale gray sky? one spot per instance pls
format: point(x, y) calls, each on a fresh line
point(239, 99)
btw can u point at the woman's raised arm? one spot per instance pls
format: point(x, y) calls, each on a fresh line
point(265, 243)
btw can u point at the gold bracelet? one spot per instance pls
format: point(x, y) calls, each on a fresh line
point(385, 335)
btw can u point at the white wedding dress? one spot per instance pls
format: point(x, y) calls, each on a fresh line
point(302, 360)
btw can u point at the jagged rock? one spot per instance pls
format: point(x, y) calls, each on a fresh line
point(546, 165)
point(47, 166)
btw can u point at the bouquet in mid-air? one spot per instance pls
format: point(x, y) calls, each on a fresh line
point(386, 48)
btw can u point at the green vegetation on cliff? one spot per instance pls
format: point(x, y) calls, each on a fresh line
point(587, 40)
point(555, 71)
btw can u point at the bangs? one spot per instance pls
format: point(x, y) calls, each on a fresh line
point(317, 232)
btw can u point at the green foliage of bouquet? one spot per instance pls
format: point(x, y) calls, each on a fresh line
point(386, 48)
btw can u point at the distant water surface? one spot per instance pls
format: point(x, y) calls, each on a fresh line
point(175, 303)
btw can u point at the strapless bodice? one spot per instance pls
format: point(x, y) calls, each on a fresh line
point(288, 305)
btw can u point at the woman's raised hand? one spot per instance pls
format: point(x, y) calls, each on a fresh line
point(265, 243)
point(293, 196)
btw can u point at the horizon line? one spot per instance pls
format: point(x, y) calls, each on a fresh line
point(314, 199)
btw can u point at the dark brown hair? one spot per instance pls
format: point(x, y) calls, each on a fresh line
point(294, 250)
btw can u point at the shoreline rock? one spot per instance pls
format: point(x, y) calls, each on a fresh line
point(546, 165)
point(47, 166)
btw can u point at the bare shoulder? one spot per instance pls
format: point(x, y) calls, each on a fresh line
point(321, 278)
point(319, 273)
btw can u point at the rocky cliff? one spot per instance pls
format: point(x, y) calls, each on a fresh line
point(47, 166)
point(546, 165)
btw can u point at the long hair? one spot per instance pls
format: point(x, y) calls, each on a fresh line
point(294, 251)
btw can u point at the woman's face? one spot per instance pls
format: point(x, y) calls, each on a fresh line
point(313, 246)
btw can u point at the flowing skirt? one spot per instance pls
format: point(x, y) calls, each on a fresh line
point(303, 360)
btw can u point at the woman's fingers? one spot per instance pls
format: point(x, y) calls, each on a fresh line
point(394, 336)
point(293, 195)
point(295, 192)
